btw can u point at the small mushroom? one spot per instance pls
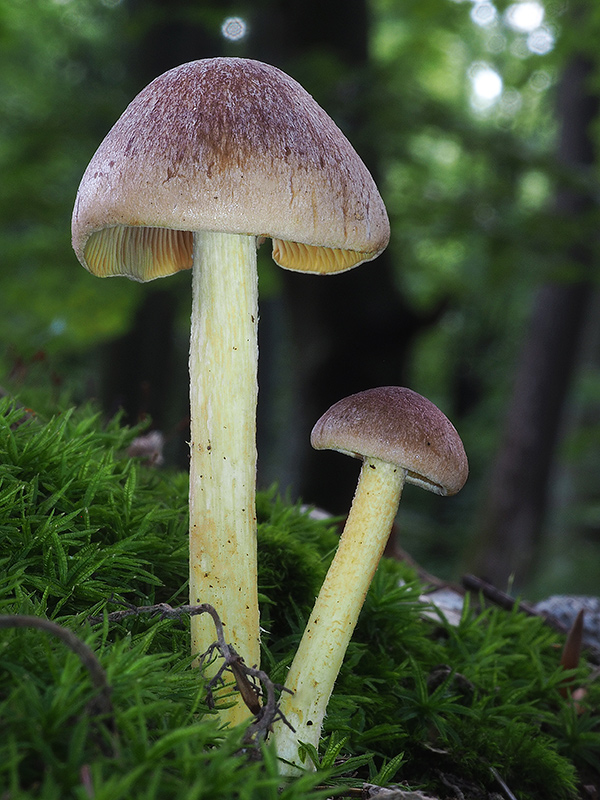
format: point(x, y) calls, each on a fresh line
point(401, 438)
point(205, 162)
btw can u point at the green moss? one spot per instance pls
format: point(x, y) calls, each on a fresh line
point(83, 528)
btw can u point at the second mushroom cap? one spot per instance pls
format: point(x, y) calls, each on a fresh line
point(398, 426)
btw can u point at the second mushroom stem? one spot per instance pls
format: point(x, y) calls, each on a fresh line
point(321, 651)
point(223, 397)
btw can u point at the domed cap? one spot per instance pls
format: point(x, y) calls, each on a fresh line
point(398, 426)
point(229, 145)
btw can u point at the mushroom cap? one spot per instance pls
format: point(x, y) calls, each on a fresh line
point(229, 145)
point(398, 426)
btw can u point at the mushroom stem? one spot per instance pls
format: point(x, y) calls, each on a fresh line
point(321, 651)
point(223, 397)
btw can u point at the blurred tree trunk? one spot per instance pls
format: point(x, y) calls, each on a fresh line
point(139, 363)
point(342, 333)
point(168, 33)
point(518, 497)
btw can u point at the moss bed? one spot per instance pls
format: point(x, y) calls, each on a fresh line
point(481, 709)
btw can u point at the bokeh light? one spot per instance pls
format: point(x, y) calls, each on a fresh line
point(525, 17)
point(486, 85)
point(234, 29)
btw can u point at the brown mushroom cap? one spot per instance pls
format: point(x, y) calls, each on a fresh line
point(229, 145)
point(398, 426)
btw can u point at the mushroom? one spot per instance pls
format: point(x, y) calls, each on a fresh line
point(402, 438)
point(208, 159)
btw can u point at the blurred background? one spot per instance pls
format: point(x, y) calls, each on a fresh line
point(479, 121)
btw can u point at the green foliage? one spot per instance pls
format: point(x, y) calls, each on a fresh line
point(82, 527)
point(61, 78)
point(294, 553)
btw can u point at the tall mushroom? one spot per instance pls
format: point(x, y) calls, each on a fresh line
point(402, 438)
point(207, 160)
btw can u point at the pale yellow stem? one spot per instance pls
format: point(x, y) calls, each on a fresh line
point(321, 651)
point(223, 397)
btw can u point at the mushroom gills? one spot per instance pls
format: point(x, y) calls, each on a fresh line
point(140, 253)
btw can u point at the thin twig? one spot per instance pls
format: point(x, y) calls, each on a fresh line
point(502, 783)
point(500, 598)
point(256, 688)
point(101, 704)
point(73, 642)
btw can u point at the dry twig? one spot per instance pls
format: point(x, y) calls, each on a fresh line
point(101, 704)
point(256, 688)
